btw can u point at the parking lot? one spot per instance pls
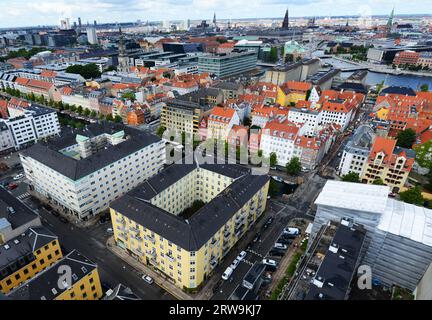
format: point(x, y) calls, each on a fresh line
point(257, 247)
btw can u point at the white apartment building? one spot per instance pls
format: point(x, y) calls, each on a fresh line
point(356, 151)
point(309, 119)
point(340, 116)
point(27, 125)
point(279, 137)
point(84, 171)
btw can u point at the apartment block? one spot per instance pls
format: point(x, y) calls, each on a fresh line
point(54, 282)
point(389, 163)
point(26, 255)
point(82, 171)
point(155, 222)
point(356, 151)
point(183, 116)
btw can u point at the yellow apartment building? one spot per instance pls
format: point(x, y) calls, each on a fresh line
point(72, 278)
point(24, 256)
point(155, 222)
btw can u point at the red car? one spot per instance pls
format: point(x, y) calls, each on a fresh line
point(12, 186)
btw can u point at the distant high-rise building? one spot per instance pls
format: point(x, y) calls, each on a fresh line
point(92, 36)
point(95, 23)
point(285, 23)
point(79, 22)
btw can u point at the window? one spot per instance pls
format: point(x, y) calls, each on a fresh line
point(41, 261)
point(82, 287)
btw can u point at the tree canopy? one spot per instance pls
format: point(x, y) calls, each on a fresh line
point(351, 177)
point(413, 196)
point(87, 71)
point(406, 138)
point(273, 159)
point(293, 167)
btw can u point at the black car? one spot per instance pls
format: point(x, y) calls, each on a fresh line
point(284, 241)
point(277, 253)
point(257, 237)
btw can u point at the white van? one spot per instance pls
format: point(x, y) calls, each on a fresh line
point(227, 274)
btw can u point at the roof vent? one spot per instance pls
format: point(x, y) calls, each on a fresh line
point(6, 246)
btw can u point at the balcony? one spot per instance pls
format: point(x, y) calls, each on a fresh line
point(213, 242)
point(213, 262)
point(170, 258)
point(151, 239)
point(227, 234)
point(120, 221)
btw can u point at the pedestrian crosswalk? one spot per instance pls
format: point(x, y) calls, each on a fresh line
point(23, 196)
point(255, 253)
point(247, 262)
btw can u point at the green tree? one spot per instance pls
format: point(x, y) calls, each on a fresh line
point(273, 159)
point(87, 112)
point(93, 114)
point(129, 96)
point(109, 117)
point(293, 167)
point(160, 131)
point(118, 119)
point(406, 138)
point(378, 182)
point(87, 71)
point(413, 196)
point(424, 88)
point(351, 177)
point(79, 110)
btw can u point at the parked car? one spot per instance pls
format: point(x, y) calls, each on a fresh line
point(257, 237)
point(147, 279)
point(18, 177)
point(110, 231)
point(281, 246)
point(12, 186)
point(227, 273)
point(278, 179)
point(291, 231)
point(277, 253)
point(284, 240)
point(269, 262)
point(235, 263)
point(242, 255)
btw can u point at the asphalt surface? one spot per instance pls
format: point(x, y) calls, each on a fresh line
point(257, 251)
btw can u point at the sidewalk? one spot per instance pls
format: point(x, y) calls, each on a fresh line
point(71, 218)
point(157, 277)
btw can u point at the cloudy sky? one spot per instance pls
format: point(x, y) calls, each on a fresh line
point(15, 13)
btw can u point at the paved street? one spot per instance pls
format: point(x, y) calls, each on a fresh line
point(282, 215)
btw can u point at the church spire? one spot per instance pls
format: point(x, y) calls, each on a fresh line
point(285, 23)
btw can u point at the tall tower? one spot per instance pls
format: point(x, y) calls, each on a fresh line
point(285, 23)
point(123, 65)
point(79, 22)
point(390, 21)
point(214, 20)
